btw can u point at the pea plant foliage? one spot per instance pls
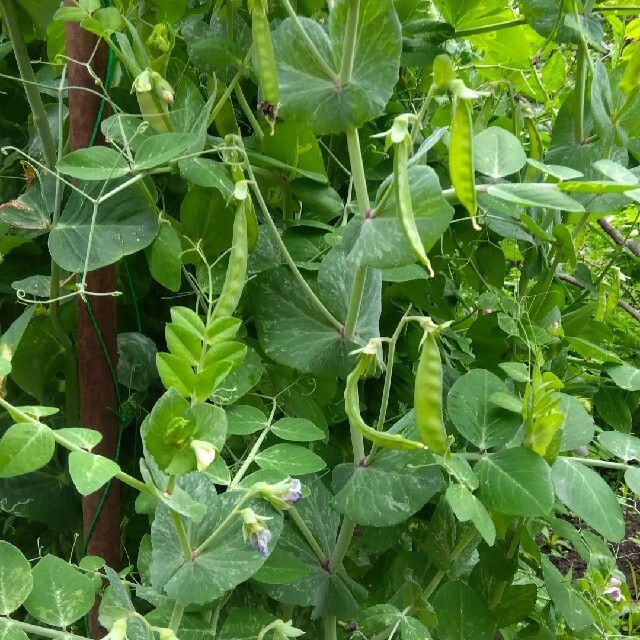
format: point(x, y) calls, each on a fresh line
point(377, 328)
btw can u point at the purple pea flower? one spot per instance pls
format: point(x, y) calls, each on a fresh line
point(281, 495)
point(259, 540)
point(294, 493)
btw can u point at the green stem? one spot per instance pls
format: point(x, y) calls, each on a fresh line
point(29, 80)
point(621, 8)
point(311, 47)
point(182, 535)
point(350, 42)
point(342, 544)
point(417, 125)
point(540, 298)
point(475, 31)
point(357, 293)
point(285, 252)
point(223, 524)
point(600, 464)
point(255, 125)
point(253, 453)
point(176, 617)
point(231, 87)
point(307, 534)
point(41, 631)
point(330, 628)
point(581, 84)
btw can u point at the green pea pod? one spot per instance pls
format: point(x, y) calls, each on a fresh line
point(428, 396)
point(152, 111)
point(237, 268)
point(266, 60)
point(461, 166)
point(352, 406)
point(225, 119)
point(536, 150)
point(404, 204)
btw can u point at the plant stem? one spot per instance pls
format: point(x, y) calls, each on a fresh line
point(29, 80)
point(350, 42)
point(285, 252)
point(231, 87)
point(600, 464)
point(311, 47)
point(248, 112)
point(41, 631)
point(253, 453)
point(223, 524)
point(306, 532)
point(342, 544)
point(357, 293)
point(487, 28)
point(182, 535)
point(176, 617)
point(330, 628)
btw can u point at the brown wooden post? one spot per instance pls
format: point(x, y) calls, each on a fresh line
point(97, 394)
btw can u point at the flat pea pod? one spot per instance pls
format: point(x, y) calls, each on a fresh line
point(428, 396)
point(265, 58)
point(352, 407)
point(404, 204)
point(461, 165)
point(237, 268)
point(153, 111)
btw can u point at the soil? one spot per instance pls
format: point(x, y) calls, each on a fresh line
point(627, 552)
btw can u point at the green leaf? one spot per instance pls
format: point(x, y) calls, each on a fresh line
point(223, 565)
point(392, 487)
point(498, 153)
point(125, 223)
point(245, 624)
point(516, 482)
point(245, 420)
point(632, 478)
point(94, 163)
point(625, 376)
point(297, 429)
point(163, 148)
point(240, 381)
point(10, 631)
point(291, 459)
point(578, 427)
point(567, 600)
point(517, 602)
point(25, 447)
point(475, 416)
point(290, 328)
point(311, 96)
point(15, 578)
point(207, 173)
point(89, 472)
point(175, 372)
point(164, 256)
point(589, 497)
point(546, 195)
point(412, 629)
point(467, 507)
point(622, 445)
point(517, 371)
point(61, 594)
point(281, 567)
point(461, 613)
point(380, 240)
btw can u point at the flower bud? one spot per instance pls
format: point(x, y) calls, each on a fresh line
point(614, 594)
point(205, 453)
point(118, 630)
point(614, 581)
point(164, 90)
point(143, 83)
point(167, 634)
point(281, 630)
point(255, 532)
point(281, 495)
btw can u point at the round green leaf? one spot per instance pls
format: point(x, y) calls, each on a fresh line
point(15, 578)
point(125, 224)
point(473, 414)
point(89, 472)
point(291, 459)
point(25, 447)
point(297, 429)
point(589, 497)
point(315, 96)
point(94, 163)
point(632, 478)
point(498, 153)
point(9, 631)
point(61, 594)
point(461, 613)
point(516, 482)
point(622, 445)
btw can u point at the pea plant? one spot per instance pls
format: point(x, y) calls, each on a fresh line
point(376, 282)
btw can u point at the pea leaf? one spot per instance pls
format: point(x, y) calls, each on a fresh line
point(461, 613)
point(25, 447)
point(245, 420)
point(124, 224)
point(589, 497)
point(297, 429)
point(61, 594)
point(498, 153)
point(10, 631)
point(312, 94)
point(578, 427)
point(89, 472)
point(94, 163)
point(516, 482)
point(469, 406)
point(281, 567)
point(163, 148)
point(467, 507)
point(622, 445)
point(15, 578)
point(290, 459)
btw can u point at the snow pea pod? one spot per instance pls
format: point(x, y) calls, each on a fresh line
point(266, 60)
